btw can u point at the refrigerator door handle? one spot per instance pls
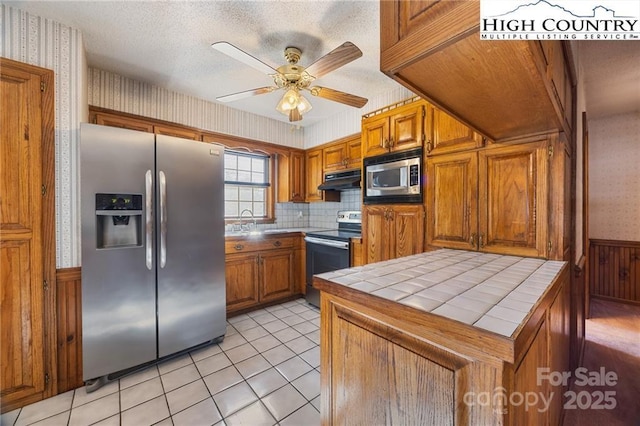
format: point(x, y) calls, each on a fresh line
point(148, 185)
point(163, 218)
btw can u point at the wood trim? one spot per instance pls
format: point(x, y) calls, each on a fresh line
point(614, 270)
point(616, 243)
point(69, 328)
point(204, 135)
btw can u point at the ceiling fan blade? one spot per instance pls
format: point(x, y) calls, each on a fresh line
point(246, 94)
point(338, 57)
point(337, 96)
point(242, 56)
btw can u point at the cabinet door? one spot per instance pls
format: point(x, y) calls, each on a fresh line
point(335, 157)
point(375, 233)
point(513, 187)
point(406, 127)
point(290, 175)
point(452, 202)
point(122, 122)
point(448, 134)
point(296, 176)
point(407, 229)
point(314, 175)
point(354, 153)
point(177, 132)
point(375, 135)
point(23, 353)
point(276, 274)
point(241, 272)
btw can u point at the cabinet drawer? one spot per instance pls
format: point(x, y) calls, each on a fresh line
point(243, 245)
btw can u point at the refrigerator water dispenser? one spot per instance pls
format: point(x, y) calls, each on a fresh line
point(118, 220)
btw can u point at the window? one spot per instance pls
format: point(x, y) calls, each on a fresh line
point(246, 184)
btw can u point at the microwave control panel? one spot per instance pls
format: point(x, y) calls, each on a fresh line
point(414, 175)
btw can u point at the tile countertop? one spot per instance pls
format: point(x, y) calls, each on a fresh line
point(489, 291)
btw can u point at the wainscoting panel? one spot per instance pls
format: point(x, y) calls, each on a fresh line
point(614, 270)
point(69, 326)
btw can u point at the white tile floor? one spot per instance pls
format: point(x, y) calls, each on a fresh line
point(266, 372)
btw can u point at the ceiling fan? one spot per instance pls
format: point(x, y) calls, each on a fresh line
point(294, 78)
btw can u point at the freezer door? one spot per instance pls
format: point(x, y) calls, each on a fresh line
point(118, 283)
point(190, 235)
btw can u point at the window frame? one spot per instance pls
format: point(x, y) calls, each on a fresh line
point(269, 188)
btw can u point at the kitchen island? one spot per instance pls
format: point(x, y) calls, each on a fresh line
point(444, 337)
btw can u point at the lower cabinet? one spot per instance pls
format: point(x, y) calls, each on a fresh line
point(392, 231)
point(261, 270)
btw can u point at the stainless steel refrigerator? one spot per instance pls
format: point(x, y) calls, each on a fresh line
point(153, 279)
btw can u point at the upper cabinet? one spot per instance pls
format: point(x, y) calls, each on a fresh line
point(176, 131)
point(502, 89)
point(446, 134)
point(114, 120)
point(291, 176)
point(393, 129)
point(343, 154)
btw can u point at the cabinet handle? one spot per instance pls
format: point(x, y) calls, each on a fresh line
point(429, 145)
point(481, 240)
point(391, 142)
point(277, 243)
point(238, 246)
point(258, 260)
point(472, 240)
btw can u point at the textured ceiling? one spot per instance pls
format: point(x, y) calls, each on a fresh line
point(169, 44)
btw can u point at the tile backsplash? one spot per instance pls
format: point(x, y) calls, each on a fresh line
point(323, 215)
point(315, 215)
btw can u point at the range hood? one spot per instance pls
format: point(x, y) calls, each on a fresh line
point(340, 181)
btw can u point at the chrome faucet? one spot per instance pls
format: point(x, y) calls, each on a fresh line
point(252, 217)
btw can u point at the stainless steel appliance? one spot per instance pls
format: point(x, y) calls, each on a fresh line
point(331, 250)
point(153, 278)
point(393, 178)
point(340, 181)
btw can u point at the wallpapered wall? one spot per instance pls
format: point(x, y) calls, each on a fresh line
point(113, 91)
point(614, 177)
point(47, 44)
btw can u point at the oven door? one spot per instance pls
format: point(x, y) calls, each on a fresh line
point(323, 256)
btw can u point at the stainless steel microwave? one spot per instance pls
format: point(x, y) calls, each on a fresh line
point(393, 178)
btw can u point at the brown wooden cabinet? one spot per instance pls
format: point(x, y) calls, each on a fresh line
point(493, 200)
point(402, 365)
point(394, 129)
point(277, 273)
point(177, 131)
point(503, 90)
point(242, 281)
point(315, 176)
point(342, 155)
point(113, 120)
point(291, 176)
point(313, 162)
point(262, 269)
point(446, 134)
point(27, 235)
point(391, 231)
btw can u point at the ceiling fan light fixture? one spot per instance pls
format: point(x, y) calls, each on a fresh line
point(293, 105)
point(288, 102)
